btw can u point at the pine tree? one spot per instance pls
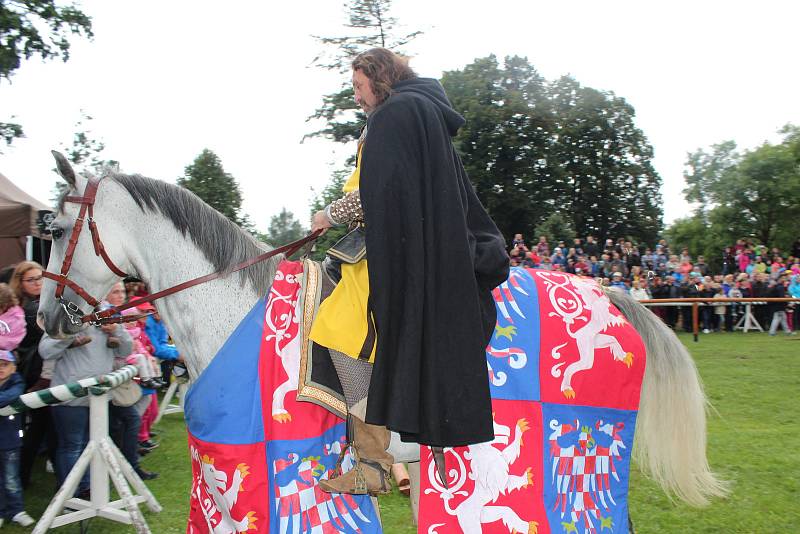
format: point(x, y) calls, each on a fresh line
point(283, 228)
point(370, 25)
point(207, 179)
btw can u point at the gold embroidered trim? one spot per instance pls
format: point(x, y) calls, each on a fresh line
point(311, 295)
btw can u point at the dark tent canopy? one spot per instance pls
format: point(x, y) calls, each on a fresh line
point(18, 214)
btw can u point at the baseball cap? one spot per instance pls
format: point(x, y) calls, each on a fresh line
point(8, 356)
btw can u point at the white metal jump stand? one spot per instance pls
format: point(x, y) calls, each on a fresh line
point(177, 387)
point(748, 320)
point(104, 462)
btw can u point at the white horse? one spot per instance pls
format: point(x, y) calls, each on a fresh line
point(165, 235)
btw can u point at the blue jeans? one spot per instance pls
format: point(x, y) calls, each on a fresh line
point(11, 487)
point(72, 433)
point(124, 426)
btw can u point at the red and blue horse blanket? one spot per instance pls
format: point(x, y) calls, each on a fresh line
point(565, 370)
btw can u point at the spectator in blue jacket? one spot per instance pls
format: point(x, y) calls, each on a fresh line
point(12, 385)
point(558, 258)
point(159, 338)
point(157, 332)
point(616, 281)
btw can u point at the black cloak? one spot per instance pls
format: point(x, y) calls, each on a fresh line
point(434, 256)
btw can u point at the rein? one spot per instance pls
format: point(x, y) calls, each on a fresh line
point(73, 311)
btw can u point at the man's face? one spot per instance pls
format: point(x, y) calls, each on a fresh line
point(363, 91)
point(6, 369)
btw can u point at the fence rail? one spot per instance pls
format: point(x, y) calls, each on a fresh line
point(69, 391)
point(748, 321)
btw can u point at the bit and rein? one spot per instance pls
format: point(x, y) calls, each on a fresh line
point(112, 315)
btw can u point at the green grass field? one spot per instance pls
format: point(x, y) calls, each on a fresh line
point(752, 381)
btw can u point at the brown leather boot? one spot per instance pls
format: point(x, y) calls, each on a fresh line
point(370, 474)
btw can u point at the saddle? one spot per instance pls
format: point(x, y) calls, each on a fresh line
point(318, 382)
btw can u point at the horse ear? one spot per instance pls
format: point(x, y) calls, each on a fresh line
point(64, 168)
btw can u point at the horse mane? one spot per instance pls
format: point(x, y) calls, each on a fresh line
point(222, 242)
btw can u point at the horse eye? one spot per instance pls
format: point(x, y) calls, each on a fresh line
point(56, 232)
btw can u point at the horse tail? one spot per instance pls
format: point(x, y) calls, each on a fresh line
point(670, 439)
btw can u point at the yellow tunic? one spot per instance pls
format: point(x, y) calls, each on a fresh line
point(342, 323)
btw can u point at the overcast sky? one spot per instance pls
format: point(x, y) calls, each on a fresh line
point(164, 80)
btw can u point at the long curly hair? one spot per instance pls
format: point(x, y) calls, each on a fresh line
point(383, 68)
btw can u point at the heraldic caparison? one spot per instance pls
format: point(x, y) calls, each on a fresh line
point(408, 323)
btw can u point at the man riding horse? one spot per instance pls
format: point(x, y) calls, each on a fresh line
point(410, 331)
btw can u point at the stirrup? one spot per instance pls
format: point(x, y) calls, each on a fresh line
point(361, 480)
point(349, 435)
point(357, 483)
point(336, 472)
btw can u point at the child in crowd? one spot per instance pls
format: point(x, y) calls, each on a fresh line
point(12, 319)
point(12, 386)
point(140, 356)
point(719, 309)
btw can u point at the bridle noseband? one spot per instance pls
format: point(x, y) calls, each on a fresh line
point(86, 215)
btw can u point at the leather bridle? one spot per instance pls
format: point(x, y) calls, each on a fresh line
point(96, 318)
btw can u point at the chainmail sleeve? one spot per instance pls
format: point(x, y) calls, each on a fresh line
point(346, 210)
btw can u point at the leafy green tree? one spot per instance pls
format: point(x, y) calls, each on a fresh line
point(331, 192)
point(764, 190)
point(705, 173)
point(534, 148)
point(283, 228)
point(505, 142)
point(695, 234)
point(604, 172)
point(556, 227)
point(753, 194)
point(207, 179)
point(10, 131)
point(35, 28)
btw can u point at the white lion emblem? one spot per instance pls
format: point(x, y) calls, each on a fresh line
point(490, 469)
point(217, 497)
point(589, 337)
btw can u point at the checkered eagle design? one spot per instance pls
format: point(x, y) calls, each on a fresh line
point(583, 472)
point(302, 506)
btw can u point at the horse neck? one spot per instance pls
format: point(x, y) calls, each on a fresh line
point(199, 319)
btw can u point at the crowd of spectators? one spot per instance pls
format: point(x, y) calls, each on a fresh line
point(659, 272)
point(30, 360)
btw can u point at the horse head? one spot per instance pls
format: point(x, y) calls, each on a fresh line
point(76, 255)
